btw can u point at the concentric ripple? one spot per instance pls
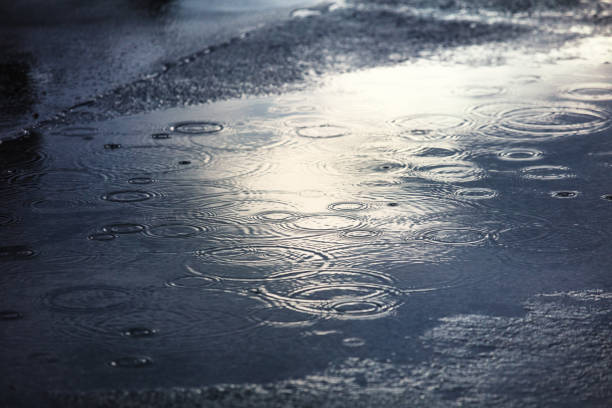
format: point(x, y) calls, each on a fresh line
point(322, 131)
point(362, 165)
point(257, 262)
point(343, 206)
point(58, 180)
point(543, 122)
point(197, 127)
point(450, 172)
point(594, 91)
point(431, 126)
point(476, 193)
point(123, 228)
point(176, 229)
point(520, 154)
point(546, 173)
point(454, 235)
point(88, 299)
point(317, 223)
point(342, 294)
point(127, 196)
point(480, 91)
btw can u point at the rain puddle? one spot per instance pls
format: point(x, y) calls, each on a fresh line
point(200, 245)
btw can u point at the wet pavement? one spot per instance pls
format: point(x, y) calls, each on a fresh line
point(344, 204)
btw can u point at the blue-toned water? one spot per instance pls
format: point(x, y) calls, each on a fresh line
point(372, 225)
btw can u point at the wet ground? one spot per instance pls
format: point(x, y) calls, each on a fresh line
point(351, 204)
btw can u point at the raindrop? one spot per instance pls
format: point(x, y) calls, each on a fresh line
point(127, 196)
point(132, 362)
point(197, 128)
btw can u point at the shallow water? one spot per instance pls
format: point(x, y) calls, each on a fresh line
point(263, 238)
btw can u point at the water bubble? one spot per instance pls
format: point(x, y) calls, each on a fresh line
point(476, 193)
point(138, 332)
point(102, 237)
point(131, 362)
point(588, 92)
point(607, 197)
point(348, 206)
point(197, 128)
point(160, 136)
point(564, 194)
point(127, 196)
point(322, 131)
point(520, 154)
point(547, 173)
point(10, 315)
point(353, 342)
point(90, 298)
point(112, 146)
